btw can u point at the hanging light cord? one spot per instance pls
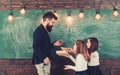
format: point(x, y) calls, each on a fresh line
point(37, 2)
point(11, 7)
point(97, 9)
point(114, 6)
point(23, 4)
point(82, 6)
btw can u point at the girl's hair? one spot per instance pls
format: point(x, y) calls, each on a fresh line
point(81, 47)
point(94, 44)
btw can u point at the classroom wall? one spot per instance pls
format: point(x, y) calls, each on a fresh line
point(16, 39)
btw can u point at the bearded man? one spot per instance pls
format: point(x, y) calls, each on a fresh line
point(42, 44)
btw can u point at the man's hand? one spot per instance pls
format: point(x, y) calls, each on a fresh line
point(58, 43)
point(46, 60)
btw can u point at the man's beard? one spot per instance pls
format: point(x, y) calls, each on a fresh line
point(49, 28)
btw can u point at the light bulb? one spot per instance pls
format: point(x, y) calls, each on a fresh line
point(55, 12)
point(97, 16)
point(41, 20)
point(115, 12)
point(69, 18)
point(23, 11)
point(10, 17)
point(81, 15)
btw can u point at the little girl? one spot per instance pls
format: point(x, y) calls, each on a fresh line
point(93, 64)
point(81, 60)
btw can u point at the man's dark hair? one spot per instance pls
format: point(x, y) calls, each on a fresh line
point(49, 15)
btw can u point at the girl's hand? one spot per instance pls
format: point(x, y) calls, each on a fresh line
point(62, 53)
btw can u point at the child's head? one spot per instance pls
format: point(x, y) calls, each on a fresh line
point(92, 44)
point(81, 47)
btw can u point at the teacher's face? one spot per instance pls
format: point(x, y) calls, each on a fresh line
point(50, 24)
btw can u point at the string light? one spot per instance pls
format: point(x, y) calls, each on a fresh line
point(97, 16)
point(55, 12)
point(10, 17)
point(69, 19)
point(81, 15)
point(115, 12)
point(23, 11)
point(41, 20)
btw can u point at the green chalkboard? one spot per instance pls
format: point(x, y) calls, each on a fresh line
point(16, 37)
